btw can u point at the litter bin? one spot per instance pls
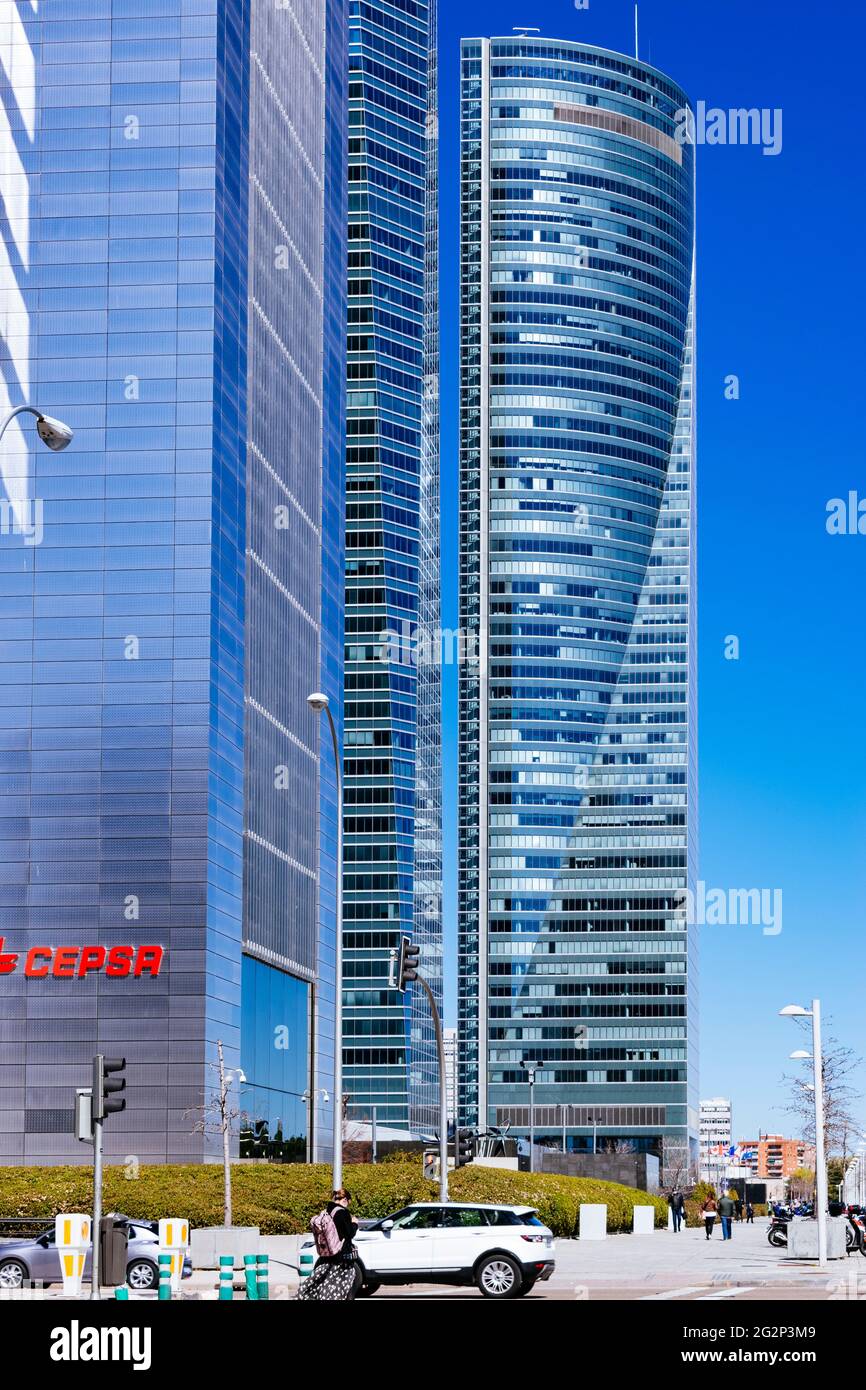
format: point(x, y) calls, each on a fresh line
point(113, 1241)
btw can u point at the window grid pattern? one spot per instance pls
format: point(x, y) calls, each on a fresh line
point(124, 282)
point(392, 860)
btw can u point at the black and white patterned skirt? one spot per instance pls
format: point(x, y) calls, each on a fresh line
point(332, 1281)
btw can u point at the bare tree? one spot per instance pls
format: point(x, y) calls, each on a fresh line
point(217, 1116)
point(838, 1065)
point(619, 1146)
point(676, 1166)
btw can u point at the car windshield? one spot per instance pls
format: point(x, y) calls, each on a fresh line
point(416, 1219)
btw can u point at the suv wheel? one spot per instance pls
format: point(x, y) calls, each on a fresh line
point(368, 1288)
point(13, 1274)
point(498, 1276)
point(142, 1275)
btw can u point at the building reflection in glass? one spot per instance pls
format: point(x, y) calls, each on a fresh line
point(275, 1055)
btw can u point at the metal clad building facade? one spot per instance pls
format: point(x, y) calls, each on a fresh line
point(134, 254)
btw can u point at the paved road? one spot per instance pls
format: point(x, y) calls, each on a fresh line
point(679, 1267)
point(624, 1293)
point(662, 1266)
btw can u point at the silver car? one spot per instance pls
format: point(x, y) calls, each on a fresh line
point(33, 1260)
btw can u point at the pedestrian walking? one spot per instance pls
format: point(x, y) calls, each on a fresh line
point(739, 1206)
point(727, 1208)
point(750, 1214)
point(709, 1211)
point(677, 1204)
point(337, 1275)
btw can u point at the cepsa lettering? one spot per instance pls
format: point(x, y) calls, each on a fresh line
point(75, 962)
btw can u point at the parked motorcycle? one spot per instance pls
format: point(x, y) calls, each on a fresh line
point(777, 1232)
point(855, 1233)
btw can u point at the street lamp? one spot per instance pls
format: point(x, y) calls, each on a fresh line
point(531, 1069)
point(53, 433)
point(797, 1011)
point(593, 1120)
point(320, 704)
point(308, 1097)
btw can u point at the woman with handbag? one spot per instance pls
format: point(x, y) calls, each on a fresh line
point(709, 1211)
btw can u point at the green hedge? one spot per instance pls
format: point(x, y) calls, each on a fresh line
point(281, 1198)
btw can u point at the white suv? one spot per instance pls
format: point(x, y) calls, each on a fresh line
point(503, 1250)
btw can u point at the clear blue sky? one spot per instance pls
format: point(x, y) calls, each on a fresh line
point(781, 305)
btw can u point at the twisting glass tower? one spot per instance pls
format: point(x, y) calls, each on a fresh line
point(577, 724)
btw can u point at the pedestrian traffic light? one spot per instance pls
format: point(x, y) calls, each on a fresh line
point(464, 1147)
point(408, 959)
point(106, 1097)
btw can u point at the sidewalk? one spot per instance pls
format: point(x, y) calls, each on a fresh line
point(666, 1258)
point(282, 1252)
point(662, 1261)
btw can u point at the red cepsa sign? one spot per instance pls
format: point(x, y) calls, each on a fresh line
point(75, 962)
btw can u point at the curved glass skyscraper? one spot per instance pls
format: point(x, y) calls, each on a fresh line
point(577, 723)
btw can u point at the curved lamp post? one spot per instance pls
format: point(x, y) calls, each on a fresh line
point(53, 433)
point(797, 1011)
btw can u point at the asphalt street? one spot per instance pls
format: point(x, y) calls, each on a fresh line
point(663, 1267)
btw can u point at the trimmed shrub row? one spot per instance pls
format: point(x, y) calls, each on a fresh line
point(281, 1198)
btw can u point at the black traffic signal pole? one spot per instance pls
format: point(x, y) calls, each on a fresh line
point(443, 1093)
point(100, 1107)
point(404, 969)
point(96, 1228)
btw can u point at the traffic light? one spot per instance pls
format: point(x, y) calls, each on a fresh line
point(464, 1147)
point(106, 1097)
point(407, 963)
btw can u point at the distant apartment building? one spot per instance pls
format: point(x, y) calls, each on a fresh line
point(777, 1157)
point(715, 1138)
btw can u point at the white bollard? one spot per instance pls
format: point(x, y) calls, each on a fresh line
point(173, 1241)
point(593, 1221)
point(72, 1233)
point(671, 1218)
point(644, 1220)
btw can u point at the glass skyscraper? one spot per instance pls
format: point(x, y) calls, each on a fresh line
point(392, 825)
point(168, 292)
point(577, 723)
